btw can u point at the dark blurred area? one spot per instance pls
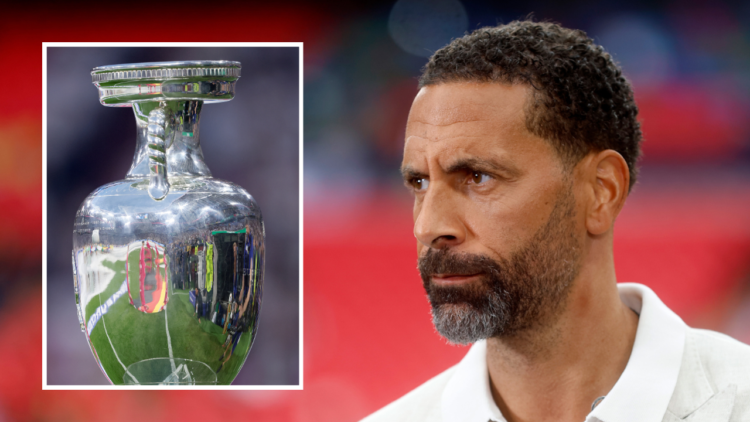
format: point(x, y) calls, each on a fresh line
point(254, 136)
point(685, 230)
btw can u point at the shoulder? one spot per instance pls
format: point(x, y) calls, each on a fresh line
point(420, 404)
point(725, 362)
point(722, 357)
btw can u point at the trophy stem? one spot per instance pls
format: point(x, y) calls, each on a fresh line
point(184, 156)
point(160, 125)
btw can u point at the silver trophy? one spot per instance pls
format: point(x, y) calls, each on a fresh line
point(168, 262)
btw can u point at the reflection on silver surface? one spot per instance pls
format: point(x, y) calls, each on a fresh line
point(168, 262)
point(209, 81)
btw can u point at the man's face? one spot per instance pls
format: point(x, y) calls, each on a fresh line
point(494, 211)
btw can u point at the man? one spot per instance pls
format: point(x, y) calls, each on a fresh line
point(198, 304)
point(520, 150)
point(193, 270)
point(235, 264)
point(248, 271)
point(209, 263)
point(235, 332)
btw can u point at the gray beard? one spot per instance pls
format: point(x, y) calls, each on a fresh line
point(462, 324)
point(512, 295)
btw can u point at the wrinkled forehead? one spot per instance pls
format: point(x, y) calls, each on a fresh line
point(447, 104)
point(469, 118)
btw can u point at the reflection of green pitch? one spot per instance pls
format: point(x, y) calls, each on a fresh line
point(199, 343)
point(138, 336)
point(99, 334)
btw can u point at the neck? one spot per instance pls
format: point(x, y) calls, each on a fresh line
point(184, 154)
point(557, 371)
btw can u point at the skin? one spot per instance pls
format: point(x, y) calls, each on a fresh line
point(484, 184)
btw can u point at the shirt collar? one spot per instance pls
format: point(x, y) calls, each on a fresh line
point(641, 393)
point(467, 396)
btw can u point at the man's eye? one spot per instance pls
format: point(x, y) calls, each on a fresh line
point(420, 184)
point(478, 177)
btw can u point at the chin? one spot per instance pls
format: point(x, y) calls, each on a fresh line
point(453, 308)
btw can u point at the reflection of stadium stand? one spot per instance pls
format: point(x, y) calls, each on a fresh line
point(224, 269)
point(223, 242)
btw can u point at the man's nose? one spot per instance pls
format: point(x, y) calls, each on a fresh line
point(438, 224)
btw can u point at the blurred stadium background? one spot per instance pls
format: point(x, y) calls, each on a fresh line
point(685, 230)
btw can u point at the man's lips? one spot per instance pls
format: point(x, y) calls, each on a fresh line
point(453, 279)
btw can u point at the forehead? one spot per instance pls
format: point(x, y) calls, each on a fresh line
point(462, 102)
point(471, 118)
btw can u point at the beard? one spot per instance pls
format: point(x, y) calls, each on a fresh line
point(511, 295)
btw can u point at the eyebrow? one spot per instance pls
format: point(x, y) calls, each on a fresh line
point(462, 165)
point(473, 164)
point(408, 172)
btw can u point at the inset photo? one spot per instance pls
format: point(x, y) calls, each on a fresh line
point(172, 216)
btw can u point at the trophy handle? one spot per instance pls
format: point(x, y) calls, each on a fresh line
point(160, 132)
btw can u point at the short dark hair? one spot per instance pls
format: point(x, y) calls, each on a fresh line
point(581, 102)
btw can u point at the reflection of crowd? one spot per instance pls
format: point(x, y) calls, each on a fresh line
point(245, 272)
point(196, 267)
point(233, 338)
point(188, 266)
point(92, 273)
point(218, 270)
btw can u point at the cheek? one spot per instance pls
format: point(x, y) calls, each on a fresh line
point(505, 225)
point(494, 227)
point(415, 214)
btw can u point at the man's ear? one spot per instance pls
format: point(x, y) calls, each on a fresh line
point(608, 178)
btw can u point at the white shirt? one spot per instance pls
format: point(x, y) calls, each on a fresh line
point(649, 378)
point(673, 372)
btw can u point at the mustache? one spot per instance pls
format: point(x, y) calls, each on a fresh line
point(446, 261)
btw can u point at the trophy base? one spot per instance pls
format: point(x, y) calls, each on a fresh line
point(166, 371)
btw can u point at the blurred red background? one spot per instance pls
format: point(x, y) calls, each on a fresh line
point(685, 231)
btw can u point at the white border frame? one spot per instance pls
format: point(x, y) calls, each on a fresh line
point(44, 217)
